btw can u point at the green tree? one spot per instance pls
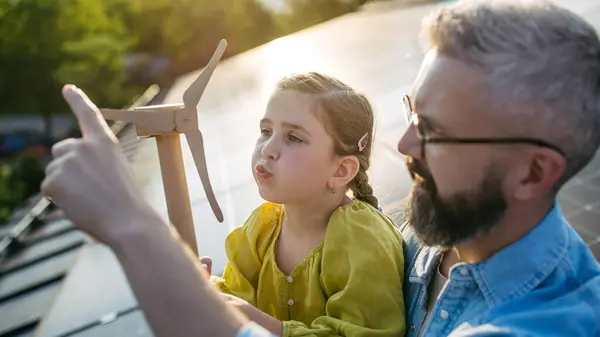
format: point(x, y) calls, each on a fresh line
point(305, 13)
point(187, 31)
point(47, 43)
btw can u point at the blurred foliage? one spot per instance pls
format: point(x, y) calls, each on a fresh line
point(304, 13)
point(20, 178)
point(47, 43)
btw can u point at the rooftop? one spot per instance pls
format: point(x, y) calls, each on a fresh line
point(56, 282)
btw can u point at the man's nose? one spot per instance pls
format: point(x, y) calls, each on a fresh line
point(410, 144)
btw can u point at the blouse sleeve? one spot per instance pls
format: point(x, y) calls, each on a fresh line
point(245, 247)
point(362, 275)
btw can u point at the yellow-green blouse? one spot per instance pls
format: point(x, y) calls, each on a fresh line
point(349, 285)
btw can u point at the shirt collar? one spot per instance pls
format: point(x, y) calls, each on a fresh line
point(425, 264)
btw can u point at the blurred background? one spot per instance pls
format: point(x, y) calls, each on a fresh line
point(114, 50)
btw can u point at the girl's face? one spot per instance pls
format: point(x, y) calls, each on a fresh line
point(292, 160)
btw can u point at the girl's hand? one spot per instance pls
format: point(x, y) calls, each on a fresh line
point(206, 262)
point(272, 324)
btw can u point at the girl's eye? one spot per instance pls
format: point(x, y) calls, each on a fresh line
point(293, 138)
point(265, 132)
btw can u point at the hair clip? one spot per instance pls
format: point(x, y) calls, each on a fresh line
point(361, 145)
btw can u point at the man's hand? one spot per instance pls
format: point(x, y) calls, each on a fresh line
point(77, 178)
point(90, 180)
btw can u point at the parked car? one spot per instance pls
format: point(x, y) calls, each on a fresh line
point(25, 142)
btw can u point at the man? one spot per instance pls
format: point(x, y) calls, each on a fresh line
point(505, 109)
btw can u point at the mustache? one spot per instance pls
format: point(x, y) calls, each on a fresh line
point(417, 168)
point(419, 173)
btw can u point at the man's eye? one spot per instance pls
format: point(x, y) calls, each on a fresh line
point(265, 132)
point(428, 130)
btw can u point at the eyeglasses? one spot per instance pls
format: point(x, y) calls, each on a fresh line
point(423, 131)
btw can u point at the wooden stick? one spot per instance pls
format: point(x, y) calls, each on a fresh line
point(176, 188)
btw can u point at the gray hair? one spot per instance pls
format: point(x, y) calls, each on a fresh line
point(536, 54)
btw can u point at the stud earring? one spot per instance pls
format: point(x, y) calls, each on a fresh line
point(333, 189)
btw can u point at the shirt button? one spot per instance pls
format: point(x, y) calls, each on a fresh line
point(464, 272)
point(411, 327)
point(444, 314)
point(290, 279)
point(290, 302)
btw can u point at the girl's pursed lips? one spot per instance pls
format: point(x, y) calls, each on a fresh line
point(262, 172)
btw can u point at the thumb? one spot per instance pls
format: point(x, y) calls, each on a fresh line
point(90, 120)
point(207, 263)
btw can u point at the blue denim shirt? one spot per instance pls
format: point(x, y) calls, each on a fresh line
point(545, 284)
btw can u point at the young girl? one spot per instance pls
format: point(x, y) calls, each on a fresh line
point(312, 261)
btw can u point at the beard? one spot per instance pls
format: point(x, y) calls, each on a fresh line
point(456, 219)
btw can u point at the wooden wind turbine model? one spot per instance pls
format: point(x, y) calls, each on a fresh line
point(166, 123)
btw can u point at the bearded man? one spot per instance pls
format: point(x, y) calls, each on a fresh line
point(505, 109)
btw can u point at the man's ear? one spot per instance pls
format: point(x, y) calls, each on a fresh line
point(346, 169)
point(540, 174)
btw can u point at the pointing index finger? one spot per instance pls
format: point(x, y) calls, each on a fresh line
point(90, 119)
